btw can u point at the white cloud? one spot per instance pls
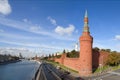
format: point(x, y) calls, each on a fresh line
point(53, 21)
point(76, 31)
point(15, 51)
point(26, 27)
point(1, 30)
point(34, 45)
point(20, 36)
point(117, 37)
point(26, 20)
point(5, 7)
point(35, 28)
point(63, 31)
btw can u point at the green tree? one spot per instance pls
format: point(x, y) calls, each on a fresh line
point(50, 56)
point(108, 50)
point(96, 49)
point(103, 50)
point(64, 51)
point(113, 59)
point(73, 54)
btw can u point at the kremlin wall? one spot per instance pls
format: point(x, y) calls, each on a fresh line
point(74, 63)
point(89, 59)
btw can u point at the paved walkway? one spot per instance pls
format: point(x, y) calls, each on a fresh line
point(114, 73)
point(111, 75)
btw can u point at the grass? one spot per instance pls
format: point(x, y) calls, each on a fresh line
point(101, 69)
point(98, 70)
point(106, 68)
point(116, 67)
point(62, 66)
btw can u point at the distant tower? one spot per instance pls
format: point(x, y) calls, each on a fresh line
point(76, 47)
point(36, 56)
point(20, 56)
point(86, 41)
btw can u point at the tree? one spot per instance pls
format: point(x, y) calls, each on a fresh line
point(108, 50)
point(114, 52)
point(96, 49)
point(73, 54)
point(56, 55)
point(52, 55)
point(49, 55)
point(64, 51)
point(113, 59)
point(102, 49)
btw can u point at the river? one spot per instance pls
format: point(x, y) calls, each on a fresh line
point(23, 70)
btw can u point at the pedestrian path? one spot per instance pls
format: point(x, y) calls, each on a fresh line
point(114, 73)
point(111, 75)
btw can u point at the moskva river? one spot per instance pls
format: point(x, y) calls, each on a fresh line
point(23, 70)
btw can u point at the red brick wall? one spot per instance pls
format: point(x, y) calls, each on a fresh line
point(95, 58)
point(69, 62)
point(103, 57)
point(99, 57)
point(58, 60)
point(72, 63)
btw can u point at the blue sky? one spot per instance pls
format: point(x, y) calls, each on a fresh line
point(48, 26)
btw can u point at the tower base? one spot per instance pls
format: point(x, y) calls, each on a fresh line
point(85, 73)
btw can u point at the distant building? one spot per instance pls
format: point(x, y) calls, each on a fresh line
point(20, 56)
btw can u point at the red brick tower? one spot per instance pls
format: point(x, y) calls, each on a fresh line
point(86, 50)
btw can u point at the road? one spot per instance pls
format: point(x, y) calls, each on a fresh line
point(49, 72)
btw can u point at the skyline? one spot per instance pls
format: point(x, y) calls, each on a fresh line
point(49, 26)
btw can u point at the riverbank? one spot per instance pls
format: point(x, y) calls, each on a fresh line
point(8, 62)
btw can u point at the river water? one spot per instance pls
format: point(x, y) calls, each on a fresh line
point(23, 70)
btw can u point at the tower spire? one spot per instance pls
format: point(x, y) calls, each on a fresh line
point(86, 15)
point(86, 28)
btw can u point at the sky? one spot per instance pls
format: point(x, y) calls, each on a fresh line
point(49, 26)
